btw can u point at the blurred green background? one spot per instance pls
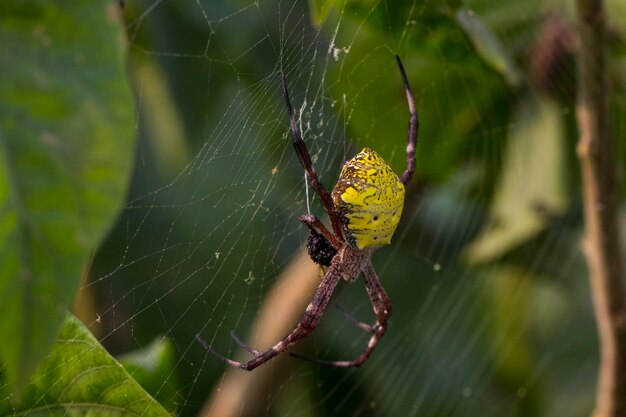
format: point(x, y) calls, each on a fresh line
point(491, 307)
point(492, 313)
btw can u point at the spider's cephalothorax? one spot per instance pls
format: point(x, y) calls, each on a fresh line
point(364, 210)
point(369, 198)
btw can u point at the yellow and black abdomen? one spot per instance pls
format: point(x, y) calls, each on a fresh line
point(369, 197)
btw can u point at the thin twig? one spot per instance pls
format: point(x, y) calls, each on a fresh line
point(601, 244)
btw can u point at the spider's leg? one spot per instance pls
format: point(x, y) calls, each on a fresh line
point(307, 324)
point(315, 224)
point(215, 353)
point(413, 128)
point(305, 159)
point(338, 364)
point(358, 323)
point(243, 345)
point(382, 309)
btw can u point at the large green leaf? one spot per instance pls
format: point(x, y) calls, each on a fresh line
point(79, 378)
point(66, 142)
point(320, 9)
point(154, 367)
point(488, 46)
point(532, 187)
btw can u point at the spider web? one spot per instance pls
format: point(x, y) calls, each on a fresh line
point(491, 311)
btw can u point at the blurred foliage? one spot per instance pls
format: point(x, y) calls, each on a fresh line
point(488, 46)
point(532, 189)
point(66, 145)
point(491, 309)
point(497, 180)
point(154, 368)
point(79, 378)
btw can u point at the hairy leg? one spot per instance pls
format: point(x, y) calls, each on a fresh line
point(382, 308)
point(307, 324)
point(413, 128)
point(305, 159)
point(315, 224)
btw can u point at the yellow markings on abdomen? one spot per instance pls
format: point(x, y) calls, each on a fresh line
point(369, 197)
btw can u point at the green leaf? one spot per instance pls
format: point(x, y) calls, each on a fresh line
point(154, 368)
point(79, 378)
point(320, 9)
point(488, 46)
point(532, 188)
point(162, 121)
point(513, 299)
point(66, 147)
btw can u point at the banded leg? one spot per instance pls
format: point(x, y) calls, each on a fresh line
point(358, 323)
point(305, 160)
point(307, 324)
point(242, 345)
point(382, 308)
point(316, 225)
point(414, 125)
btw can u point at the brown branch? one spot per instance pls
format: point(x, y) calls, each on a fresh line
point(601, 244)
point(242, 393)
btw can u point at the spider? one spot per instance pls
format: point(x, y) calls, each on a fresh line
point(364, 209)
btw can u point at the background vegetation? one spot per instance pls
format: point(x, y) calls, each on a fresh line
point(492, 311)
